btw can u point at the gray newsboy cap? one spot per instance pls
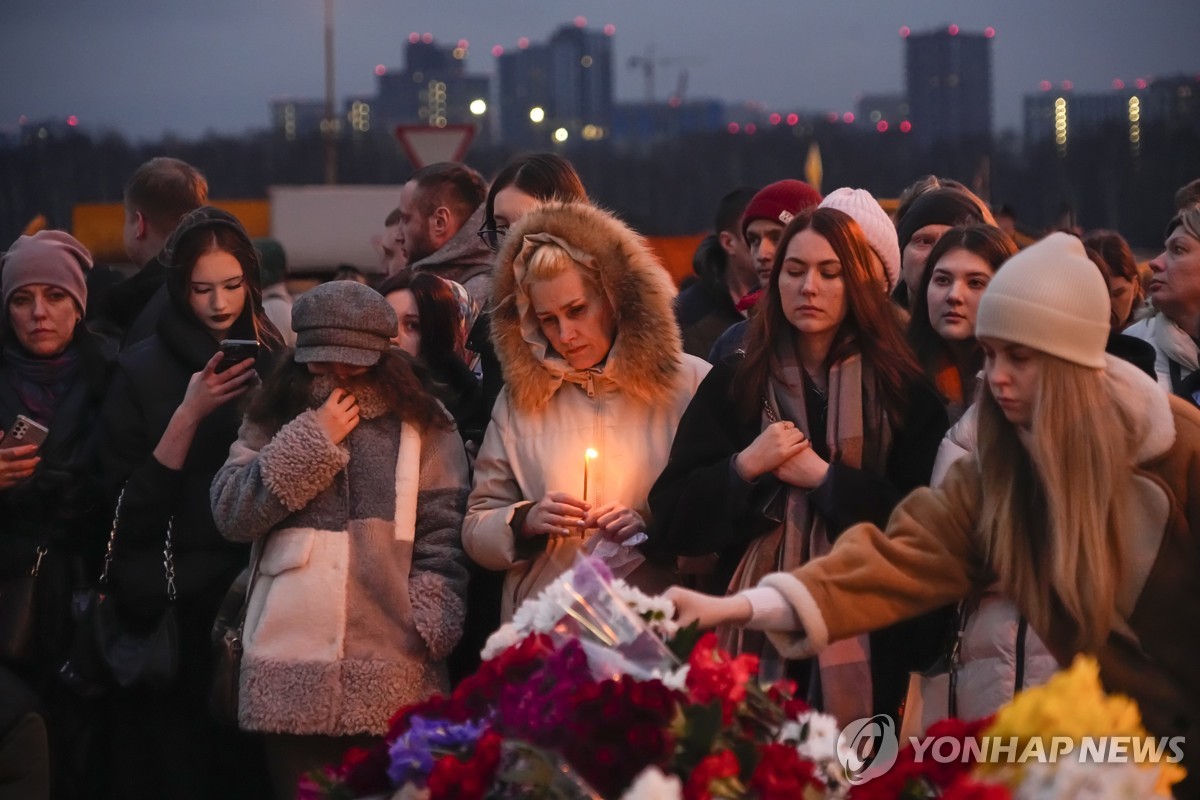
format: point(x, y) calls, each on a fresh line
point(343, 322)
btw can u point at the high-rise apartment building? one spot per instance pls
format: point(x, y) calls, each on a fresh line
point(949, 84)
point(560, 88)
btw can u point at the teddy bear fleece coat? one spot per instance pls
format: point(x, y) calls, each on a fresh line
point(362, 582)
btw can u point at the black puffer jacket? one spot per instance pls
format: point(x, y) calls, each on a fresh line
point(150, 382)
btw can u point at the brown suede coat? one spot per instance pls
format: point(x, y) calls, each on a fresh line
point(930, 556)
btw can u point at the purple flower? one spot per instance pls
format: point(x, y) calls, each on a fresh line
point(537, 709)
point(413, 753)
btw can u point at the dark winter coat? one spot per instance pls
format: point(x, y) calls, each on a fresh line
point(60, 507)
point(150, 382)
point(700, 505)
point(705, 310)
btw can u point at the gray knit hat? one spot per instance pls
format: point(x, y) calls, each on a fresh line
point(343, 322)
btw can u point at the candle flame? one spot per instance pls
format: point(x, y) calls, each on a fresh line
point(590, 453)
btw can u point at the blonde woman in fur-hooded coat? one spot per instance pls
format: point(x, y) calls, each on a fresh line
point(592, 358)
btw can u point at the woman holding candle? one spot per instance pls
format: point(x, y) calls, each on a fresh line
point(827, 420)
point(592, 359)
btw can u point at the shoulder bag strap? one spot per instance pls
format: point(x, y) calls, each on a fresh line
point(168, 554)
point(258, 547)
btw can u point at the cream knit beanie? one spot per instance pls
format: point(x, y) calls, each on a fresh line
point(1050, 297)
point(864, 209)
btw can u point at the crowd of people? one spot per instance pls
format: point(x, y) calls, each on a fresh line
point(853, 442)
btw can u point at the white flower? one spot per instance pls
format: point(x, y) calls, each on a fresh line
point(658, 612)
point(501, 640)
point(820, 739)
point(652, 784)
point(675, 678)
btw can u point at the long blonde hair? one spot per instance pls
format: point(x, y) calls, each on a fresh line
point(1053, 513)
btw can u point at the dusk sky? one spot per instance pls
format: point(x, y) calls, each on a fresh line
point(143, 67)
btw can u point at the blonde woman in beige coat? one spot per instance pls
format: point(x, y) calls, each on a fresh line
point(593, 363)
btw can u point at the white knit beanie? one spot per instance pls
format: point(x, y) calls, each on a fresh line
point(1051, 297)
point(863, 208)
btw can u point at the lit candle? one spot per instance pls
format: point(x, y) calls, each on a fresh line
point(588, 455)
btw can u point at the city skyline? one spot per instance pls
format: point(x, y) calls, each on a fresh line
point(240, 55)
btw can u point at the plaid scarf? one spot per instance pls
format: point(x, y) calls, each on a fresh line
point(858, 436)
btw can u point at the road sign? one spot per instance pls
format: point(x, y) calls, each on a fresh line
point(425, 144)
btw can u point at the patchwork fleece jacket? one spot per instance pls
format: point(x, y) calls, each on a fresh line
point(362, 580)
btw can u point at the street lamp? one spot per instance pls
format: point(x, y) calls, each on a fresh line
point(330, 126)
point(537, 114)
point(478, 107)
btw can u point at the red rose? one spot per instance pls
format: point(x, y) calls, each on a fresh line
point(967, 789)
point(782, 774)
point(452, 779)
point(719, 766)
point(713, 675)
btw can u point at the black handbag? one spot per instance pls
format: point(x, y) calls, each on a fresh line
point(112, 651)
point(17, 604)
point(227, 644)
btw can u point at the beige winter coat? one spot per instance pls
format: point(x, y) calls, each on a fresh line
point(626, 409)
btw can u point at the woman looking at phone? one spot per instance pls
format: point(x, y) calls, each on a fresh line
point(167, 426)
point(53, 373)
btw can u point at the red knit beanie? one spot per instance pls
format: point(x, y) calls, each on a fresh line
point(779, 202)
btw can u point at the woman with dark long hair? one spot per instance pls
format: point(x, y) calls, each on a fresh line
point(942, 327)
point(431, 331)
point(348, 476)
point(1124, 282)
point(826, 421)
point(166, 428)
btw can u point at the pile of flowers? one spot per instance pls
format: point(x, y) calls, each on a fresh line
point(592, 692)
point(579, 697)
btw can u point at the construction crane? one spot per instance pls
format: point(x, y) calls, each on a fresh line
point(676, 100)
point(649, 64)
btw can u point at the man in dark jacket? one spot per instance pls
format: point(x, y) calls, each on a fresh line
point(441, 212)
point(725, 275)
point(157, 196)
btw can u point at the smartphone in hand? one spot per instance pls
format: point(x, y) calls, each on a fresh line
point(24, 431)
point(235, 351)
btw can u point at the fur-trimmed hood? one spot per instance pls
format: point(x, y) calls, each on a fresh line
point(645, 359)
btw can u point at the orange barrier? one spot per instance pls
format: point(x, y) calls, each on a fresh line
point(100, 226)
point(675, 253)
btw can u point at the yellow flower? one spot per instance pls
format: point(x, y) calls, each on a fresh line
point(1073, 704)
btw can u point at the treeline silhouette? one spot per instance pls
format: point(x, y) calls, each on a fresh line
point(664, 188)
